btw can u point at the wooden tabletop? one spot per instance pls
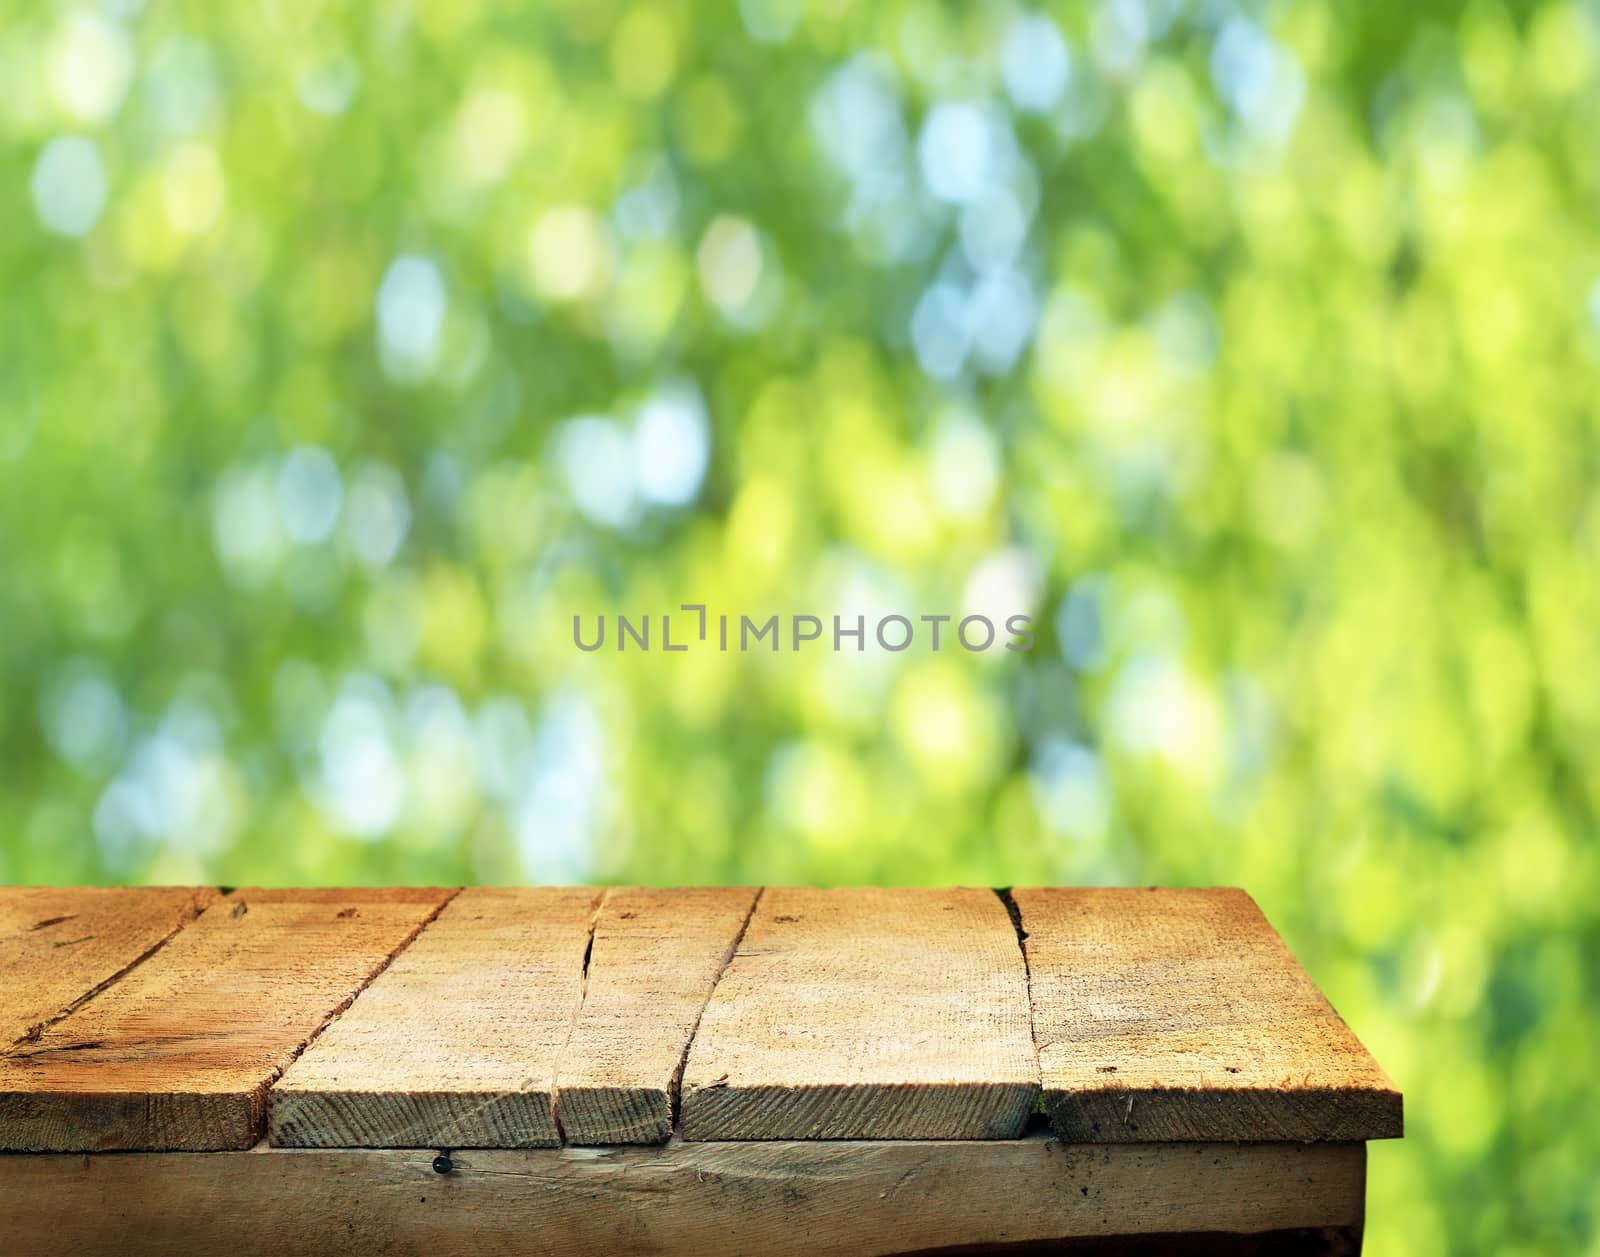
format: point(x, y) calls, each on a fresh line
point(712, 1071)
point(420, 1018)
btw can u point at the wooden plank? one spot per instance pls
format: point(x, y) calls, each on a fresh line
point(1180, 1014)
point(866, 1014)
point(656, 956)
point(59, 946)
point(179, 1052)
point(706, 1200)
point(456, 1044)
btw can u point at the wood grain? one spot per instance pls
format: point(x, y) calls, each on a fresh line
point(655, 959)
point(1180, 1014)
point(178, 1053)
point(456, 1044)
point(706, 1200)
point(60, 945)
point(866, 1014)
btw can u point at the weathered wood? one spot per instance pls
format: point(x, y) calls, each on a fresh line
point(1180, 1014)
point(59, 946)
point(655, 959)
point(178, 1053)
point(456, 1044)
point(866, 1014)
point(709, 1200)
point(843, 1014)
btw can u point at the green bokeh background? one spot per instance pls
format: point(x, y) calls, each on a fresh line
point(348, 351)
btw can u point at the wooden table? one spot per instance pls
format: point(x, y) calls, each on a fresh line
point(693, 1071)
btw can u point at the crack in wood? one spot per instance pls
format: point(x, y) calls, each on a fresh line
point(577, 1012)
point(1015, 913)
point(674, 1095)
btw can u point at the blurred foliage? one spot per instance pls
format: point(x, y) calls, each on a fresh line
point(347, 352)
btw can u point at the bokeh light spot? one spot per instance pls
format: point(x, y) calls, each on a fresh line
point(69, 186)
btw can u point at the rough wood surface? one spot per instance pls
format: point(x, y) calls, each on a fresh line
point(655, 958)
point(60, 945)
point(708, 1200)
point(847, 1014)
point(866, 1014)
point(1180, 1014)
point(178, 1053)
point(457, 1043)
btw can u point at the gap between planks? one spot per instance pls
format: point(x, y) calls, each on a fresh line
point(577, 1014)
point(543, 1071)
point(178, 1052)
point(377, 973)
point(676, 1096)
point(657, 958)
point(455, 1046)
point(196, 902)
